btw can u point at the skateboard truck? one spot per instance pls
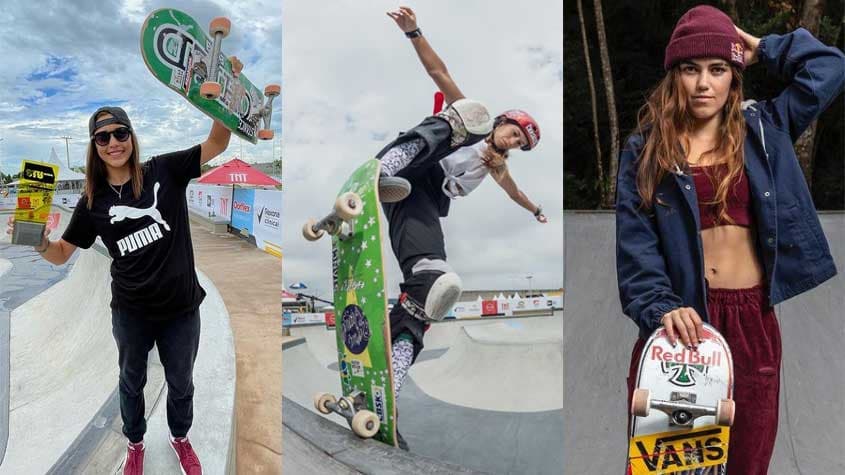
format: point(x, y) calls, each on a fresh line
point(681, 408)
point(219, 29)
point(347, 207)
point(363, 422)
point(266, 111)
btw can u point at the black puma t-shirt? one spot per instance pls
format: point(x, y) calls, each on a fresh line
point(148, 239)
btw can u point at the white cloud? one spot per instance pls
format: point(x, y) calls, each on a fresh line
point(352, 82)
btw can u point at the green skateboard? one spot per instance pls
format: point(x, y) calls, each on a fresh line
point(360, 301)
point(179, 54)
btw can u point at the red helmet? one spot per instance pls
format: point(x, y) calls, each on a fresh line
point(525, 122)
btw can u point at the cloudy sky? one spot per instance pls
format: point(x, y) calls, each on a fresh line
point(62, 60)
point(352, 82)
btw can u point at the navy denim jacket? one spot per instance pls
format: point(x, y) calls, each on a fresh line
point(659, 258)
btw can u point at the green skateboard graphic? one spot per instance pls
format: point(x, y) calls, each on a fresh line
point(178, 53)
point(360, 301)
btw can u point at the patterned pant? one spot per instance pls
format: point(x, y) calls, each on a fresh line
point(403, 355)
point(400, 156)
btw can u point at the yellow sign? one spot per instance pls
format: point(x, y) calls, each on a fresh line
point(35, 191)
point(669, 452)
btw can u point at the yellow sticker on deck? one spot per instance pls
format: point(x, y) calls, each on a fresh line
point(669, 452)
point(35, 191)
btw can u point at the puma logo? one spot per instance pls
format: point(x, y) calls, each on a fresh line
point(119, 213)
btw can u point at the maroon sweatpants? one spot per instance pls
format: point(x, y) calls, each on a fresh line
point(748, 324)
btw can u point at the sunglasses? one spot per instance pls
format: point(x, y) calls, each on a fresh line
point(103, 138)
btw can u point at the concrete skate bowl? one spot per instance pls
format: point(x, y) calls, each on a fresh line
point(484, 396)
point(599, 338)
point(64, 414)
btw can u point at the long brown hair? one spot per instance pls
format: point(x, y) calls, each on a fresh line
point(665, 123)
point(97, 177)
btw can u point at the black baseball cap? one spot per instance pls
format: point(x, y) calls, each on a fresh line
point(118, 116)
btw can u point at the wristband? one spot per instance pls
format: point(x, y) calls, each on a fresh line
point(539, 211)
point(413, 34)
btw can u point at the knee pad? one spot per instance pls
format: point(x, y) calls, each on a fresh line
point(432, 290)
point(444, 293)
point(470, 121)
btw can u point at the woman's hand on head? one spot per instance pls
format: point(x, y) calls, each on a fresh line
point(683, 323)
point(750, 44)
point(405, 19)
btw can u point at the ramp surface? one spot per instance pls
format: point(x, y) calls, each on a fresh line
point(64, 415)
point(443, 414)
point(598, 340)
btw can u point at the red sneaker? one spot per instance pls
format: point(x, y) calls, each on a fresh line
point(188, 459)
point(133, 464)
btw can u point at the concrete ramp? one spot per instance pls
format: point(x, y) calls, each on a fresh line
point(64, 410)
point(5, 266)
point(462, 432)
point(598, 340)
point(504, 366)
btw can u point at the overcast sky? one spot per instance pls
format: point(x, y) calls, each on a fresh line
point(64, 59)
point(352, 82)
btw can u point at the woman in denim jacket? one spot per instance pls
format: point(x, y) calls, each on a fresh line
point(714, 220)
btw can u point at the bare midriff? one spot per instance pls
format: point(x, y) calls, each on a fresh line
point(730, 261)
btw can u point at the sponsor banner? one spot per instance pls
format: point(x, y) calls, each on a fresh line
point(67, 199)
point(302, 318)
point(242, 206)
point(467, 309)
point(210, 200)
point(672, 452)
point(330, 319)
point(489, 307)
point(267, 220)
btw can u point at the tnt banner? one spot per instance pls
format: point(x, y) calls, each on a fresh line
point(242, 205)
point(489, 308)
point(210, 200)
point(267, 221)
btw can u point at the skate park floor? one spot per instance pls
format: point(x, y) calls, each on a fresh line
point(599, 338)
point(63, 405)
point(483, 397)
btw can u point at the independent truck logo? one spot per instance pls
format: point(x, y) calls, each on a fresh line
point(685, 365)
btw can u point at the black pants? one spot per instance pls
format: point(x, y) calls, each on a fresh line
point(177, 341)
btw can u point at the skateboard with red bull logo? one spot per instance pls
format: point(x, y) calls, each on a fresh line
point(682, 407)
point(360, 302)
point(178, 53)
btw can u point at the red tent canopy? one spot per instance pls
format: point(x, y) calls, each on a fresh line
point(236, 172)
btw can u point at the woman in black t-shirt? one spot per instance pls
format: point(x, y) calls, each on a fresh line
point(140, 213)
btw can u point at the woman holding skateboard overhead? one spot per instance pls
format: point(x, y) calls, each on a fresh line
point(445, 157)
point(714, 220)
point(139, 211)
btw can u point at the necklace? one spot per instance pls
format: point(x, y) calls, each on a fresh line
point(119, 192)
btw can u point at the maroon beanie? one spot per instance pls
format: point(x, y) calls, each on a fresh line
point(704, 32)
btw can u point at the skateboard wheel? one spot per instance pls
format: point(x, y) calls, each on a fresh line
point(725, 410)
point(365, 424)
point(265, 134)
point(641, 402)
point(272, 90)
point(348, 206)
point(220, 25)
point(210, 90)
point(321, 400)
point(308, 231)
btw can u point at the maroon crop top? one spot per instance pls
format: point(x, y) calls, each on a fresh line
point(706, 180)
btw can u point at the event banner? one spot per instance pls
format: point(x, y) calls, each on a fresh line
point(242, 209)
point(210, 200)
point(267, 220)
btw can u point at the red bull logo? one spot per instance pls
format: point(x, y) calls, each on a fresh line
point(685, 356)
